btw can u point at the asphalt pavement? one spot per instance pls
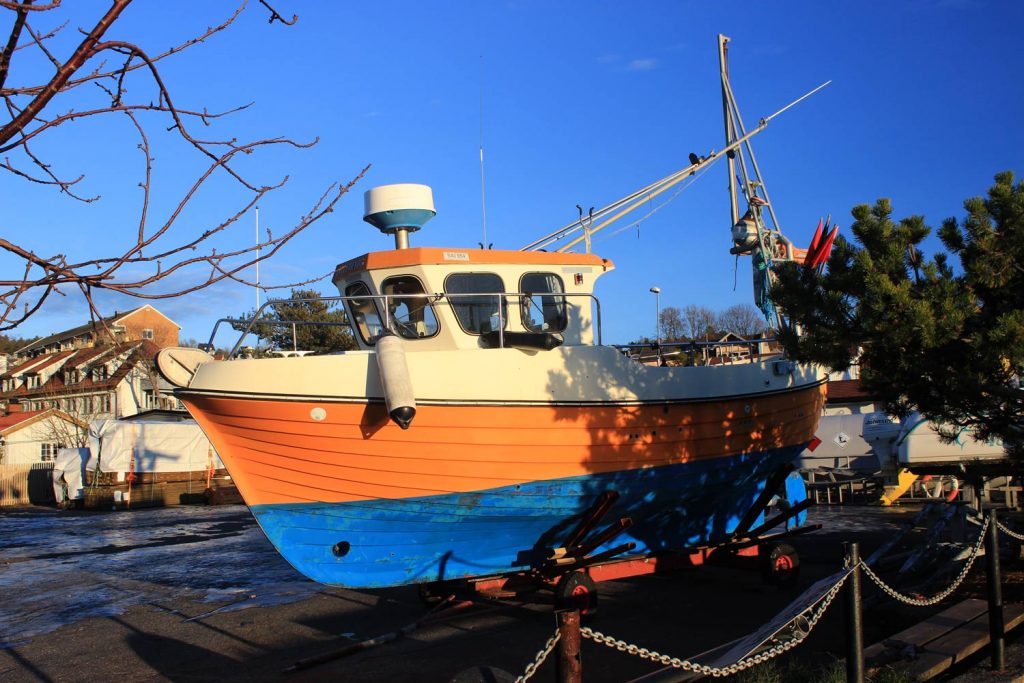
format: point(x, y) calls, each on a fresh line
point(198, 594)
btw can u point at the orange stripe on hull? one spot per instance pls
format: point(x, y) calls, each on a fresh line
point(278, 453)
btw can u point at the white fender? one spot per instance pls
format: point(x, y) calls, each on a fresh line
point(395, 380)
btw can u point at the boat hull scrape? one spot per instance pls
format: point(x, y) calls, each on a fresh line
point(348, 498)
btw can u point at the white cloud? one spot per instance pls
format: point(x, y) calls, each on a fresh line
point(645, 64)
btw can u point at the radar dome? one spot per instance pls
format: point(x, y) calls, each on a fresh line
point(398, 209)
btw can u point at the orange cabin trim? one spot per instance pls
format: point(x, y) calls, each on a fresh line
point(420, 256)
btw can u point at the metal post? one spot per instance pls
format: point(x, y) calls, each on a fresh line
point(569, 665)
point(657, 318)
point(995, 594)
point(854, 619)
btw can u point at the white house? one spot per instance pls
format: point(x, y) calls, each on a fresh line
point(34, 436)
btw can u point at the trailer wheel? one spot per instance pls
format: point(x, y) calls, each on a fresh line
point(781, 564)
point(434, 593)
point(576, 590)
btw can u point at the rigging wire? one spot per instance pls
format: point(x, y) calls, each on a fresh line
point(656, 209)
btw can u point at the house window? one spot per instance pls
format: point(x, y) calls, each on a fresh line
point(33, 381)
point(477, 314)
point(101, 403)
point(99, 373)
point(150, 399)
point(47, 452)
point(147, 334)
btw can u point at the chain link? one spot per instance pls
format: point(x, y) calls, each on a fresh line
point(717, 672)
point(532, 667)
point(1009, 532)
point(935, 599)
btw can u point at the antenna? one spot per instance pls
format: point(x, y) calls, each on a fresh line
point(257, 258)
point(483, 194)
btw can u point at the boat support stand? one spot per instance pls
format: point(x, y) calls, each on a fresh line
point(572, 570)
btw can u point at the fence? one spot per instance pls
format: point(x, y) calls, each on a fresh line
point(26, 484)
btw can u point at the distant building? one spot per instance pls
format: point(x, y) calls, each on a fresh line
point(34, 436)
point(733, 348)
point(100, 370)
point(140, 324)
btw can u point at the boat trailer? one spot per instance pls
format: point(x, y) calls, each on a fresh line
point(573, 570)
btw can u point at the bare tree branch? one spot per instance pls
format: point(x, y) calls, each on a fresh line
point(30, 117)
point(274, 16)
point(12, 45)
point(27, 6)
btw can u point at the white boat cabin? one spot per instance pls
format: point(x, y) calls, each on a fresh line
point(437, 298)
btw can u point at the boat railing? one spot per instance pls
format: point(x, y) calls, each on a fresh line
point(388, 322)
point(719, 352)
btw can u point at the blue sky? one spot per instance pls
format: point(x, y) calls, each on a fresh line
point(583, 102)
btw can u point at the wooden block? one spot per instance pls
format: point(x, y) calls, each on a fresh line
point(937, 626)
point(952, 648)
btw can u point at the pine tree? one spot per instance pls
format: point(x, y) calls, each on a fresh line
point(946, 341)
point(304, 306)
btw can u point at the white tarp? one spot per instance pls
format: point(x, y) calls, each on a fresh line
point(156, 446)
point(69, 465)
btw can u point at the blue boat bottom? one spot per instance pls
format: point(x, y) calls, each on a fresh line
point(378, 543)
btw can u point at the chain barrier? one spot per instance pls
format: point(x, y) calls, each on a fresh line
point(1009, 532)
point(718, 672)
point(811, 616)
point(532, 667)
point(935, 599)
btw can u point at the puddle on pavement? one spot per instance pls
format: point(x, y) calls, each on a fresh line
point(57, 568)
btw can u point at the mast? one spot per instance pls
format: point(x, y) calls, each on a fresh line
point(730, 129)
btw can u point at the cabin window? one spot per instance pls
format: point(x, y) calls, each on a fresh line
point(477, 314)
point(543, 306)
point(409, 310)
point(364, 312)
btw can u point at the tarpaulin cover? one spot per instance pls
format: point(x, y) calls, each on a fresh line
point(157, 447)
point(70, 465)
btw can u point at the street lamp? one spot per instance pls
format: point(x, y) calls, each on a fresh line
point(657, 316)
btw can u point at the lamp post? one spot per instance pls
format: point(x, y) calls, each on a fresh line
point(657, 318)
